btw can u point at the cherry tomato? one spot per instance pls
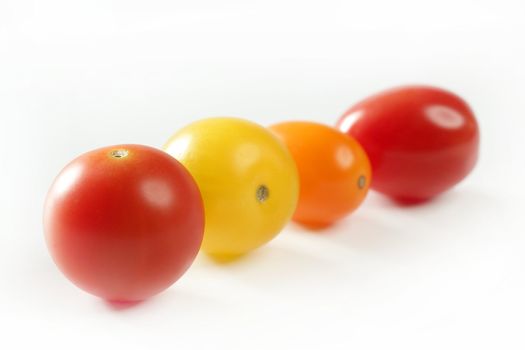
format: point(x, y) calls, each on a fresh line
point(124, 222)
point(421, 140)
point(247, 178)
point(334, 171)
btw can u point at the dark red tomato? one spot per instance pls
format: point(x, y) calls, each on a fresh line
point(421, 140)
point(124, 222)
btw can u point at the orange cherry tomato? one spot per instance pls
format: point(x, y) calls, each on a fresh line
point(334, 171)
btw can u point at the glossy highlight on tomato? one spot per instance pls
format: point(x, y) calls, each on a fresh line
point(124, 222)
point(334, 171)
point(421, 140)
point(248, 181)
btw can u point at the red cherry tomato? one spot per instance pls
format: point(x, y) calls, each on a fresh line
point(421, 140)
point(124, 222)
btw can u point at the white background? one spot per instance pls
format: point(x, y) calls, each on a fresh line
point(75, 75)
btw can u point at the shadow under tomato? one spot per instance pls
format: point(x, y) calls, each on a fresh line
point(280, 267)
point(385, 228)
point(118, 305)
point(179, 299)
point(226, 259)
point(444, 204)
point(314, 227)
point(410, 202)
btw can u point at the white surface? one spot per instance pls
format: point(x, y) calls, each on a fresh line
point(75, 75)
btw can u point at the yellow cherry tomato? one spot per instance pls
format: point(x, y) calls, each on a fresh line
point(248, 181)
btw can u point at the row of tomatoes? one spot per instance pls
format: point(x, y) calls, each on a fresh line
point(125, 222)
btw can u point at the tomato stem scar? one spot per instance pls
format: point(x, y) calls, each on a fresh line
point(361, 182)
point(119, 153)
point(262, 193)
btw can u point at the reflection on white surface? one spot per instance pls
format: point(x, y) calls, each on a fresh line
point(444, 117)
point(157, 193)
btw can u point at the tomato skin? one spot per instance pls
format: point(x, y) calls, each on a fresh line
point(421, 140)
point(247, 178)
point(124, 228)
point(334, 171)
